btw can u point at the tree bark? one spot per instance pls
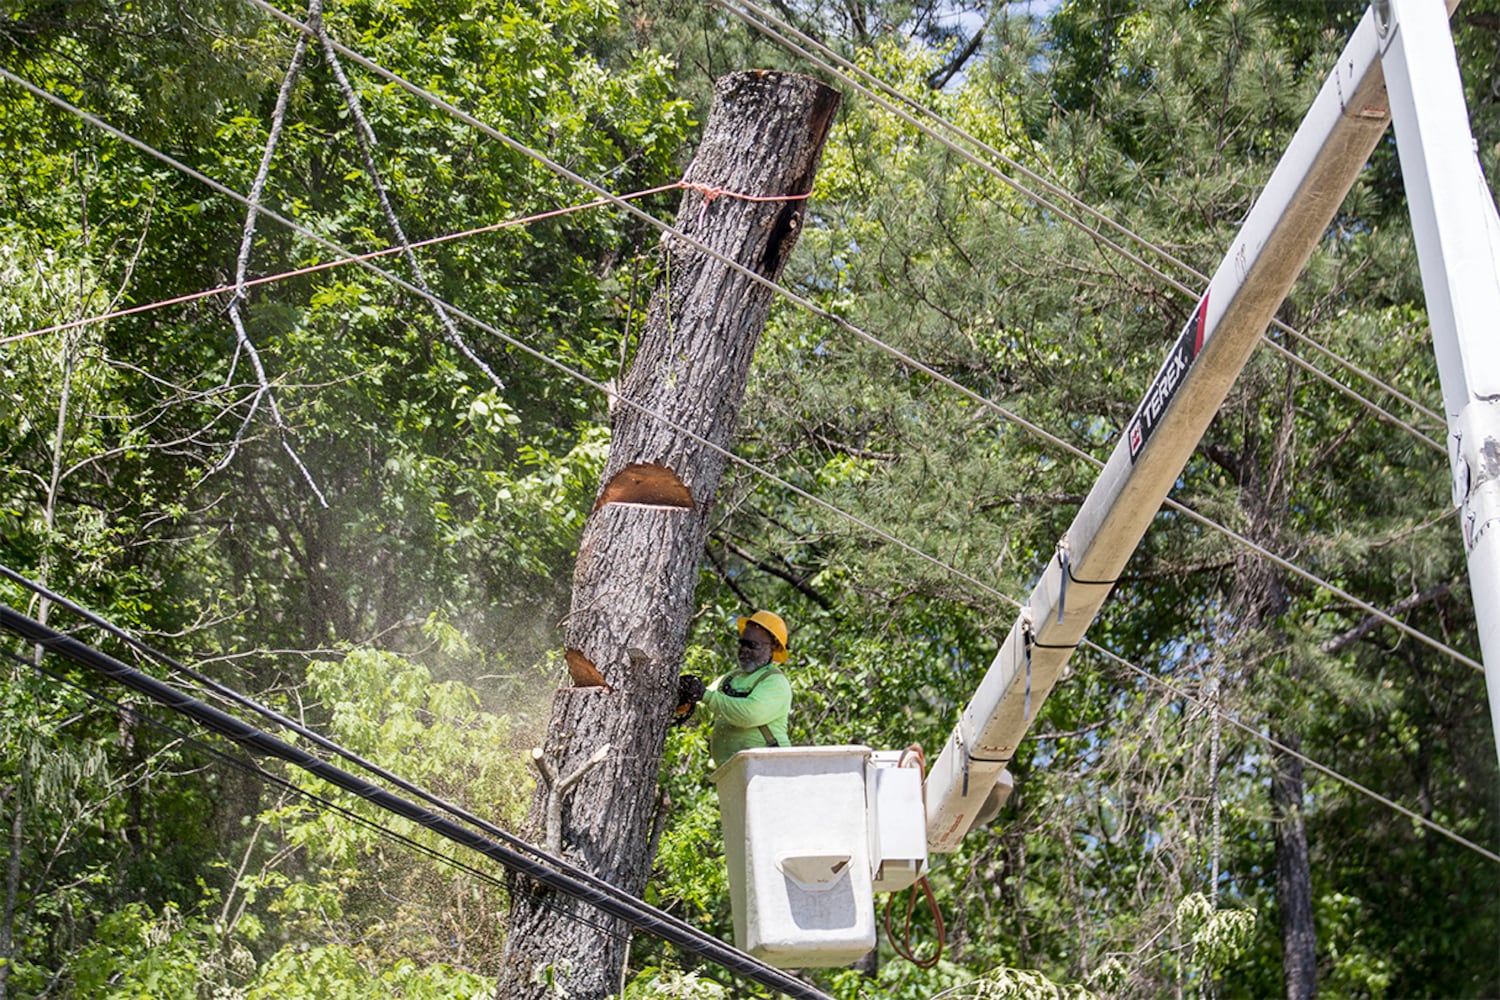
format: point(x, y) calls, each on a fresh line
point(639, 555)
point(1299, 939)
point(1259, 601)
point(12, 797)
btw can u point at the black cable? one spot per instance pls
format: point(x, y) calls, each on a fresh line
point(250, 767)
point(314, 737)
point(565, 878)
point(264, 711)
point(311, 735)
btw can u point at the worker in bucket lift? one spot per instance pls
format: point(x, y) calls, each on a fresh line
point(748, 705)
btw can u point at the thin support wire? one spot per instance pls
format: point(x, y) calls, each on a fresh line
point(845, 325)
point(769, 476)
point(771, 21)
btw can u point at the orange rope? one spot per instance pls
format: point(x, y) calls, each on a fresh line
point(312, 268)
point(709, 194)
point(904, 946)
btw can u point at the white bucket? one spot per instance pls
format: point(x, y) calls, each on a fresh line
point(797, 841)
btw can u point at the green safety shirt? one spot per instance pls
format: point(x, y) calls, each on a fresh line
point(762, 698)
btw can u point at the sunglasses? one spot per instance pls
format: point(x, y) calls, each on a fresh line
point(752, 643)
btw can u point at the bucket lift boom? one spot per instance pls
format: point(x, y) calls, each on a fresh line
point(803, 882)
point(1320, 165)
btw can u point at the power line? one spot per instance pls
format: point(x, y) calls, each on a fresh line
point(559, 876)
point(973, 581)
point(8, 619)
point(266, 712)
point(562, 171)
point(17, 623)
point(1187, 511)
point(291, 725)
point(560, 366)
point(1068, 217)
point(1215, 712)
point(321, 801)
point(769, 19)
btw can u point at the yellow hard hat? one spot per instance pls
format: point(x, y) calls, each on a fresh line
point(773, 624)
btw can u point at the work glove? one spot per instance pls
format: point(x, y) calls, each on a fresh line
point(689, 693)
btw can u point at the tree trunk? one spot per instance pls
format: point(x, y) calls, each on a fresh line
point(639, 555)
point(12, 797)
point(1258, 602)
point(1299, 939)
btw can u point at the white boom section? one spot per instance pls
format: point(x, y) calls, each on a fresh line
point(1291, 215)
point(1458, 244)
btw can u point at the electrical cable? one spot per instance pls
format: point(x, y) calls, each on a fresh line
point(615, 199)
point(771, 19)
point(303, 731)
point(903, 946)
point(546, 359)
point(562, 171)
point(563, 878)
point(1368, 404)
point(576, 374)
point(271, 715)
point(886, 536)
point(1288, 751)
point(1042, 202)
point(495, 831)
point(1369, 609)
point(1148, 675)
point(321, 801)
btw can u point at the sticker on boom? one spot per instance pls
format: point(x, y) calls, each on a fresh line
point(1168, 380)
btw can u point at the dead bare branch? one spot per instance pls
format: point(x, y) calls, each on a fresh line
point(1371, 622)
point(366, 136)
point(242, 262)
